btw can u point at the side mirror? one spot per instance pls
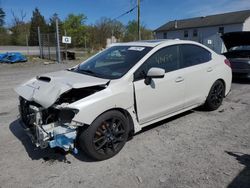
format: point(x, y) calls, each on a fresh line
point(154, 73)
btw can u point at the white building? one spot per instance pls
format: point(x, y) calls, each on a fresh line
point(206, 30)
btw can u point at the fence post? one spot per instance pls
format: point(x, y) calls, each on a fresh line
point(58, 43)
point(66, 48)
point(39, 41)
point(48, 45)
point(27, 44)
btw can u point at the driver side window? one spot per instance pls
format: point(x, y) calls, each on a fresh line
point(165, 58)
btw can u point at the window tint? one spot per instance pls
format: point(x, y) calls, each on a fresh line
point(193, 55)
point(166, 58)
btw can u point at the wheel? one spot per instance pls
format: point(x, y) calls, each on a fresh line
point(106, 136)
point(215, 96)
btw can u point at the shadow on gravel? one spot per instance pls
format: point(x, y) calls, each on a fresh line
point(241, 80)
point(242, 180)
point(47, 155)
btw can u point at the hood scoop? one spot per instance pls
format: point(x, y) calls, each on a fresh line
point(43, 78)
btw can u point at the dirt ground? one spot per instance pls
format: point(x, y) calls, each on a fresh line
point(194, 149)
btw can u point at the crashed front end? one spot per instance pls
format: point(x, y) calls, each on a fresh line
point(49, 127)
point(44, 107)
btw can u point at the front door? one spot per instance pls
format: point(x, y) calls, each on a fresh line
point(162, 96)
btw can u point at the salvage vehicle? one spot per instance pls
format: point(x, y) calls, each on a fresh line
point(96, 105)
point(238, 52)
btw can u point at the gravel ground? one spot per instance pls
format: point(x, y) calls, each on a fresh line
point(194, 149)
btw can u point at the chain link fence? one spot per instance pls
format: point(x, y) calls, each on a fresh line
point(48, 46)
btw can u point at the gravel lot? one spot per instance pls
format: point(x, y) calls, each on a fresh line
point(194, 149)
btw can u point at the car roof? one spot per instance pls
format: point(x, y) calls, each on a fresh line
point(152, 43)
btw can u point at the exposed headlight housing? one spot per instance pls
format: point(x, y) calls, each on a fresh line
point(67, 114)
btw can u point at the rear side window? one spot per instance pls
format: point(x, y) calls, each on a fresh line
point(193, 55)
point(165, 58)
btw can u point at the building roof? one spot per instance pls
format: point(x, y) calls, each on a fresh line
point(206, 21)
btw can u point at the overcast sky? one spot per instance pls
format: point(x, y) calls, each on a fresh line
point(154, 13)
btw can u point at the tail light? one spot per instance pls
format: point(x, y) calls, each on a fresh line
point(227, 62)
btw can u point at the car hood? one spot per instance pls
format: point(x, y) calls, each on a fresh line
point(46, 89)
point(236, 39)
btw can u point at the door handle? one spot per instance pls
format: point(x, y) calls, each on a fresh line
point(179, 79)
point(210, 69)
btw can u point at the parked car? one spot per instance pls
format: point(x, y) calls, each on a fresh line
point(96, 105)
point(238, 46)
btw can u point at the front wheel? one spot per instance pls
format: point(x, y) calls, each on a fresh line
point(106, 136)
point(215, 96)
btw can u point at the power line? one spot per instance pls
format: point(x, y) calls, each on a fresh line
point(125, 13)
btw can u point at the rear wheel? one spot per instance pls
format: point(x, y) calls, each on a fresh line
point(106, 136)
point(215, 96)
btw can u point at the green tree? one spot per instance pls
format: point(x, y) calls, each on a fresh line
point(105, 28)
point(2, 16)
point(19, 29)
point(132, 35)
point(5, 37)
point(74, 25)
point(37, 20)
point(52, 23)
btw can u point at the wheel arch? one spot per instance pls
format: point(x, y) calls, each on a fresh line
point(126, 114)
point(224, 84)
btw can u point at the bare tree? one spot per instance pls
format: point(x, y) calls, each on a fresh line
point(18, 20)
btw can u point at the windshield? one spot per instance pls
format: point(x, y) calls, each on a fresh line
point(240, 48)
point(114, 62)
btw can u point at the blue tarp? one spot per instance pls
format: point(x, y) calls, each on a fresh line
point(12, 57)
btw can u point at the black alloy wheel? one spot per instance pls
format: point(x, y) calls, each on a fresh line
point(106, 136)
point(216, 95)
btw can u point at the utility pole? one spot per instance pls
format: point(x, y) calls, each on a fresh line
point(58, 43)
point(39, 41)
point(138, 20)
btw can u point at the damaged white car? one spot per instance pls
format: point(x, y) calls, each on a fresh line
point(96, 105)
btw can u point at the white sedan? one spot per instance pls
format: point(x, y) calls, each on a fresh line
point(98, 104)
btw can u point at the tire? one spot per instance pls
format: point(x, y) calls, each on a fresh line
point(106, 136)
point(215, 96)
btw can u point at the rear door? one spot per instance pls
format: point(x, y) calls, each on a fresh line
point(198, 69)
point(164, 95)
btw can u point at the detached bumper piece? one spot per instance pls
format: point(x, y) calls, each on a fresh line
point(45, 129)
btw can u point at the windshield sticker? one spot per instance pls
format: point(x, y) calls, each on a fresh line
point(135, 48)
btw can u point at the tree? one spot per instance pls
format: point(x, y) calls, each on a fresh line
point(52, 23)
point(105, 28)
point(131, 32)
point(2, 17)
point(19, 29)
point(75, 27)
point(37, 20)
point(3, 32)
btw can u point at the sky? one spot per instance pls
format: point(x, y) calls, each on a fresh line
point(154, 13)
